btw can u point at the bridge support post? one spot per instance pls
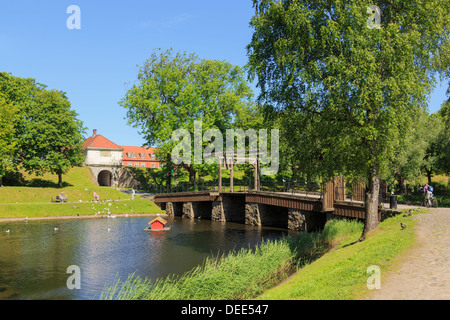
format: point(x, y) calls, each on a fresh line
point(305, 220)
point(296, 220)
point(257, 214)
point(169, 209)
point(230, 208)
point(199, 210)
point(188, 210)
point(217, 211)
point(252, 214)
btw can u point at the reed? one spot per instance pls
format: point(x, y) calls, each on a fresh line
point(242, 274)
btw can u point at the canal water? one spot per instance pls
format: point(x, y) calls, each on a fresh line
point(35, 255)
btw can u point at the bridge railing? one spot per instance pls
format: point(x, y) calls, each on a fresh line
point(290, 187)
point(355, 194)
point(238, 186)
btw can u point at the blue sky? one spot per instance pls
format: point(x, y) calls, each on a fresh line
point(94, 64)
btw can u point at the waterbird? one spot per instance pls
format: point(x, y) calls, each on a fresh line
point(56, 229)
point(402, 225)
point(7, 231)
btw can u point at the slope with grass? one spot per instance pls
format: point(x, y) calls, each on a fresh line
point(341, 274)
point(34, 198)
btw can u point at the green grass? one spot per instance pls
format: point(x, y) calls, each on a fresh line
point(239, 275)
point(341, 274)
point(330, 265)
point(136, 206)
point(27, 201)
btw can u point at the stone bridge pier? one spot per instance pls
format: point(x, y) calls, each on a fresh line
point(294, 219)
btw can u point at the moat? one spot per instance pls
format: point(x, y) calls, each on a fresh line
point(35, 255)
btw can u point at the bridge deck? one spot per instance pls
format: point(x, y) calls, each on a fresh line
point(309, 201)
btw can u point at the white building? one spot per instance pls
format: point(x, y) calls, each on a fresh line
point(104, 158)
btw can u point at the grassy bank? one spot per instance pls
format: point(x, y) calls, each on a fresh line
point(34, 198)
point(136, 206)
point(326, 265)
point(239, 275)
point(342, 273)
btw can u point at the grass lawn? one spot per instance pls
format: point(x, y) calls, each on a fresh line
point(341, 274)
point(34, 199)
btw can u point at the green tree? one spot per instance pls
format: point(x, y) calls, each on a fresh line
point(442, 146)
point(8, 118)
point(173, 90)
point(360, 86)
point(53, 136)
point(46, 135)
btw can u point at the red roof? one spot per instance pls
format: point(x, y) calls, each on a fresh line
point(138, 150)
point(158, 219)
point(100, 142)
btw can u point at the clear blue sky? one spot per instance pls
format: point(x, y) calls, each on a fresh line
point(94, 64)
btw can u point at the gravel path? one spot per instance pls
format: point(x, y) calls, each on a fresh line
point(424, 272)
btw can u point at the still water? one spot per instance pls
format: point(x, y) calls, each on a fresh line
point(34, 257)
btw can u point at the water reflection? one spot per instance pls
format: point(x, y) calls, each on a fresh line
point(34, 256)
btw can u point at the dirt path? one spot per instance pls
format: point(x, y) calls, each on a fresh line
point(424, 272)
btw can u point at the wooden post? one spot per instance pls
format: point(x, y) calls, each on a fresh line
point(220, 175)
point(231, 176)
point(257, 175)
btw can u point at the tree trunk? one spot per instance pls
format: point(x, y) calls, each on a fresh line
point(168, 180)
point(371, 204)
point(429, 176)
point(60, 180)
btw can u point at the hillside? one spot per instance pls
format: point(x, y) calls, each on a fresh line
point(33, 199)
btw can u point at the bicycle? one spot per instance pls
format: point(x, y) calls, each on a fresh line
point(431, 202)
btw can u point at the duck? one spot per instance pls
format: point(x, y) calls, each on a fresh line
point(402, 225)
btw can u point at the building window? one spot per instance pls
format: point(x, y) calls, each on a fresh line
point(143, 164)
point(161, 165)
point(136, 164)
point(131, 155)
point(130, 164)
point(142, 155)
point(152, 155)
point(153, 165)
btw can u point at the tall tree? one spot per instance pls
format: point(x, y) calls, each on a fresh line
point(362, 84)
point(47, 134)
point(8, 119)
point(52, 138)
point(174, 90)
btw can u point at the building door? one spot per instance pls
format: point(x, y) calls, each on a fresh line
point(104, 178)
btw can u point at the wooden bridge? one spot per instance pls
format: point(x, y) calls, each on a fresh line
point(286, 205)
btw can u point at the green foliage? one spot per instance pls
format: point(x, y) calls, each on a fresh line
point(173, 90)
point(8, 118)
point(358, 89)
point(353, 92)
point(45, 134)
